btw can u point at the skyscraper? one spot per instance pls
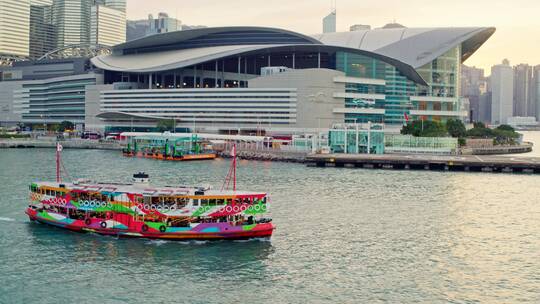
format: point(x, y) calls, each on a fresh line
point(502, 88)
point(42, 30)
point(107, 25)
point(536, 90)
point(523, 104)
point(14, 28)
point(329, 22)
point(72, 20)
point(472, 85)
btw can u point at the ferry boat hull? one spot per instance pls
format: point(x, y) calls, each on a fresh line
point(124, 228)
point(187, 157)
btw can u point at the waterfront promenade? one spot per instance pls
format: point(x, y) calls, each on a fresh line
point(50, 142)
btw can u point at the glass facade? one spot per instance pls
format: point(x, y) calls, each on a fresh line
point(441, 75)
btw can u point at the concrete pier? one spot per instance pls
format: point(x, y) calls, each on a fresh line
point(466, 163)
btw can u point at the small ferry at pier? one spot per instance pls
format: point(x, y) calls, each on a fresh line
point(140, 210)
point(186, 148)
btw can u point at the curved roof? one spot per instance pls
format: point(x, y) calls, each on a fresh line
point(213, 36)
point(176, 59)
point(413, 46)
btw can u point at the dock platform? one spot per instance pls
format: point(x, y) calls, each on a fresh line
point(471, 163)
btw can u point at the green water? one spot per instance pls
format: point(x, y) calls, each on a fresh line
point(343, 236)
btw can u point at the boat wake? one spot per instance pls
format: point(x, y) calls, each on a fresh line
point(6, 219)
point(253, 240)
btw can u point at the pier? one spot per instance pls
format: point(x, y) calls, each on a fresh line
point(466, 163)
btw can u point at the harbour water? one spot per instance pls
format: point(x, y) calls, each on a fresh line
point(343, 236)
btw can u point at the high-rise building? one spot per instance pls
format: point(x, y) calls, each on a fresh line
point(163, 24)
point(535, 90)
point(502, 88)
point(472, 85)
point(72, 20)
point(15, 28)
point(329, 22)
point(107, 25)
point(42, 30)
point(523, 104)
point(360, 27)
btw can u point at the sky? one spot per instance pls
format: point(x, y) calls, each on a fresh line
point(518, 22)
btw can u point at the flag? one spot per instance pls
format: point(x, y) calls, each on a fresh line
point(59, 147)
point(406, 117)
point(233, 151)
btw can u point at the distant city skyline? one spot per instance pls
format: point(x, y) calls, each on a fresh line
point(517, 25)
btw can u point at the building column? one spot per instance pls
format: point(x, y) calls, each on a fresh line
point(319, 60)
point(216, 76)
point(150, 80)
point(269, 63)
point(194, 76)
point(174, 79)
point(239, 72)
point(294, 61)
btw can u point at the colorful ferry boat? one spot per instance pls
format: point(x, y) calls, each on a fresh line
point(168, 148)
point(141, 210)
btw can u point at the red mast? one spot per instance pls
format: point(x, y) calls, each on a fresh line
point(58, 150)
point(232, 171)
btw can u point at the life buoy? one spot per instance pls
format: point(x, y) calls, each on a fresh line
point(162, 228)
point(103, 224)
point(88, 222)
point(144, 228)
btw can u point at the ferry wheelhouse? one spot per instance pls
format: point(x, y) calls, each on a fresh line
point(169, 148)
point(141, 210)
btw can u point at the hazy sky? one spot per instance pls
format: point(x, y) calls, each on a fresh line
point(518, 22)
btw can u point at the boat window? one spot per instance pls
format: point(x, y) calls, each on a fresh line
point(204, 202)
point(212, 202)
point(48, 192)
point(195, 202)
point(220, 201)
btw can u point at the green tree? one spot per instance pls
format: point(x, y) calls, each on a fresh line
point(66, 125)
point(424, 129)
point(165, 125)
point(456, 128)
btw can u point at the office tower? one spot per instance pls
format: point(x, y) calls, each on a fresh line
point(523, 105)
point(502, 88)
point(107, 25)
point(42, 30)
point(472, 85)
point(163, 24)
point(14, 28)
point(329, 22)
point(360, 27)
point(535, 91)
point(72, 21)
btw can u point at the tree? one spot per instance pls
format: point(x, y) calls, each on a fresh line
point(456, 128)
point(424, 129)
point(165, 125)
point(66, 125)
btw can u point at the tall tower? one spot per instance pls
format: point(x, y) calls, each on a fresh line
point(329, 22)
point(72, 21)
point(502, 87)
point(14, 28)
point(42, 30)
point(108, 24)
